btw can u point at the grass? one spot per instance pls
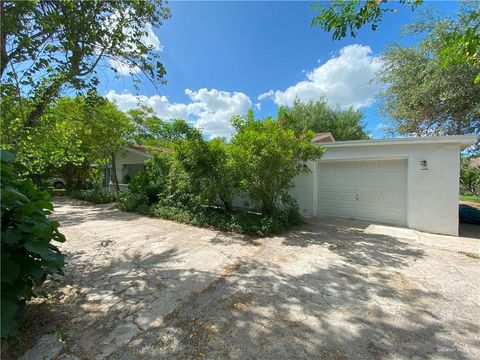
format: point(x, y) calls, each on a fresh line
point(470, 198)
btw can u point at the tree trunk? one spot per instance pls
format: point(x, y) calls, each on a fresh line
point(50, 93)
point(3, 46)
point(226, 204)
point(114, 173)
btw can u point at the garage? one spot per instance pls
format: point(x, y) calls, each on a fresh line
point(366, 190)
point(408, 182)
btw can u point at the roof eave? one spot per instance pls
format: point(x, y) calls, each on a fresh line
point(463, 140)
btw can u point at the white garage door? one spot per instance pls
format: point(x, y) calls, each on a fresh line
point(365, 190)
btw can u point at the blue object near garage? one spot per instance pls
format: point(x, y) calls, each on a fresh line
point(468, 214)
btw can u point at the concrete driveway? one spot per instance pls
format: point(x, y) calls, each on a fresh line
point(138, 287)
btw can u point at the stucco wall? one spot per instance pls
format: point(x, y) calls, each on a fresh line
point(128, 156)
point(432, 195)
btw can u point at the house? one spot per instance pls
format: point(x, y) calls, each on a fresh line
point(130, 161)
point(475, 162)
point(410, 182)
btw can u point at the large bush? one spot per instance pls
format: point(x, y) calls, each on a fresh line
point(469, 178)
point(147, 186)
point(242, 222)
point(206, 170)
point(96, 196)
point(199, 181)
point(267, 157)
point(28, 256)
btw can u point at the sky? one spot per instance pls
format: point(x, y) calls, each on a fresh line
point(223, 58)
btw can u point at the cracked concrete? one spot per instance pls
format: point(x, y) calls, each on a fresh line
point(139, 287)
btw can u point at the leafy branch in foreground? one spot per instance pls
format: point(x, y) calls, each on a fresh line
point(346, 17)
point(49, 47)
point(28, 256)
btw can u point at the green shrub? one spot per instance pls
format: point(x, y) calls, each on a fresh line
point(235, 221)
point(95, 196)
point(267, 157)
point(28, 256)
point(469, 178)
point(147, 185)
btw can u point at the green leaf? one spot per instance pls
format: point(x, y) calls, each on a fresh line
point(37, 247)
point(10, 270)
point(42, 230)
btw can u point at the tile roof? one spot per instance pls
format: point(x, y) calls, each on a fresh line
point(323, 137)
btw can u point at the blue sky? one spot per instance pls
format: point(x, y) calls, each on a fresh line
point(221, 56)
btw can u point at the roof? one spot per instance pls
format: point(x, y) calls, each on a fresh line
point(150, 149)
point(463, 140)
point(475, 162)
point(323, 137)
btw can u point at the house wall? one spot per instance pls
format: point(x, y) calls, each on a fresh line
point(432, 195)
point(126, 157)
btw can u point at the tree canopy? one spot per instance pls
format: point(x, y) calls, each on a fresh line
point(346, 17)
point(318, 116)
point(422, 95)
point(460, 42)
point(72, 134)
point(49, 47)
point(267, 157)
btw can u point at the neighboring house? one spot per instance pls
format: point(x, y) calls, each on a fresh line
point(130, 161)
point(475, 162)
point(412, 182)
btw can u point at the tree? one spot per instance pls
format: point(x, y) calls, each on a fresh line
point(148, 127)
point(267, 157)
point(346, 17)
point(48, 47)
point(112, 131)
point(58, 139)
point(460, 43)
point(424, 97)
point(317, 116)
point(469, 177)
point(206, 167)
point(69, 137)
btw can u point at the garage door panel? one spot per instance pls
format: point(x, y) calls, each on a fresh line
point(328, 170)
point(328, 209)
point(326, 195)
point(366, 213)
point(392, 167)
point(328, 183)
point(345, 196)
point(347, 182)
point(368, 198)
point(346, 211)
point(368, 183)
point(392, 182)
point(366, 190)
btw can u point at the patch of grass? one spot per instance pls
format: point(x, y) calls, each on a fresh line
point(471, 255)
point(470, 198)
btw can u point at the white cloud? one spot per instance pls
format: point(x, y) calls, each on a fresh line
point(265, 95)
point(149, 39)
point(210, 110)
point(258, 106)
point(344, 80)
